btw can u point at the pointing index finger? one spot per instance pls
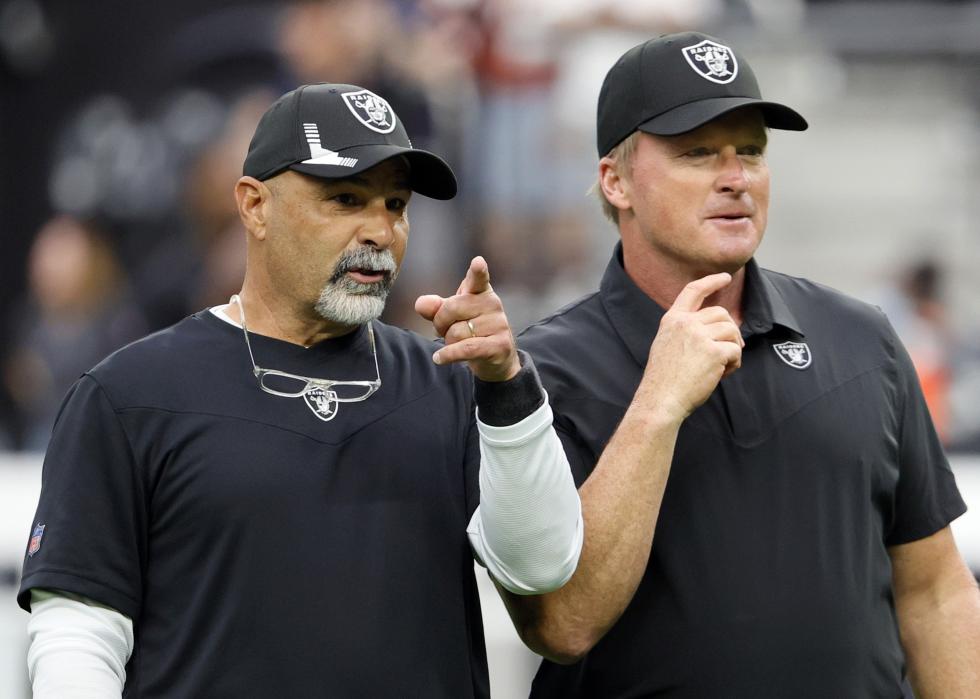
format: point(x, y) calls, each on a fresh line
point(694, 294)
point(477, 279)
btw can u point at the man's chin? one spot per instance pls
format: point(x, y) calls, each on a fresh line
point(734, 258)
point(351, 309)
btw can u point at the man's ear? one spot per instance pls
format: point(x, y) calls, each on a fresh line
point(253, 198)
point(615, 185)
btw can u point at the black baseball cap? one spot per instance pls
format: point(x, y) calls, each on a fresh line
point(333, 131)
point(676, 83)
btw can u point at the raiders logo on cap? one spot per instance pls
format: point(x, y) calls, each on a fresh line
point(372, 111)
point(712, 61)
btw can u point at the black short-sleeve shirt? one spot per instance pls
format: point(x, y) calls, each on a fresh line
point(769, 573)
point(260, 550)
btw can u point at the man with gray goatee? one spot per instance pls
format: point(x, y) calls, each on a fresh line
point(283, 496)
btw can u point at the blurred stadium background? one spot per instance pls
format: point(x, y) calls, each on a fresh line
point(123, 126)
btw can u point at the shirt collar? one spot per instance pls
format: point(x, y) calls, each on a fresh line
point(764, 307)
point(636, 317)
point(633, 314)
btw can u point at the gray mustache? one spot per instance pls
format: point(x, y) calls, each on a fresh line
point(364, 258)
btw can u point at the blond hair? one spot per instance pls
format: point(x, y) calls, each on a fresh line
point(622, 155)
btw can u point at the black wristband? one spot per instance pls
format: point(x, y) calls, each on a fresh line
point(508, 402)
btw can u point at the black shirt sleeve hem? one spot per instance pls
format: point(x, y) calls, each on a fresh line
point(69, 582)
point(929, 527)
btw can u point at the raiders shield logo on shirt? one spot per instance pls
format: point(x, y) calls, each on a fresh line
point(323, 403)
point(712, 61)
point(796, 354)
point(372, 111)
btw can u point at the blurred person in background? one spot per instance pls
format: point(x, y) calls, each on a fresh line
point(918, 313)
point(350, 41)
point(766, 501)
point(202, 260)
point(511, 158)
point(214, 214)
point(945, 355)
point(211, 527)
point(79, 308)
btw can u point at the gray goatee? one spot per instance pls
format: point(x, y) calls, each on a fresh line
point(346, 301)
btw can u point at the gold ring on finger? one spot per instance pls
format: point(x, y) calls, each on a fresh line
point(469, 324)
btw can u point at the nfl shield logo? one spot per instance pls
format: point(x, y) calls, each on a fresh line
point(323, 403)
point(372, 111)
point(35, 545)
point(712, 61)
point(796, 354)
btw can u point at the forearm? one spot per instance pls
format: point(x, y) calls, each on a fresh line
point(78, 649)
point(621, 499)
point(620, 502)
point(941, 637)
point(528, 528)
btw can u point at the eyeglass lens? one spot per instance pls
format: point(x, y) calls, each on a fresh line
point(296, 386)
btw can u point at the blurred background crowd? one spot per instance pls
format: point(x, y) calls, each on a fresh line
point(123, 126)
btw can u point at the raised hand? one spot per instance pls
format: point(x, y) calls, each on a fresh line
point(474, 326)
point(695, 347)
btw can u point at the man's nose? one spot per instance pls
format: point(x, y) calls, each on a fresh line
point(733, 176)
point(378, 228)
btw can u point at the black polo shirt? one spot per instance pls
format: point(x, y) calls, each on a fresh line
point(769, 574)
point(260, 550)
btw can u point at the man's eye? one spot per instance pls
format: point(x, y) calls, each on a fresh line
point(698, 153)
point(755, 151)
point(345, 199)
point(396, 204)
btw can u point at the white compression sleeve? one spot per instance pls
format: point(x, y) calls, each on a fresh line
point(527, 530)
point(78, 648)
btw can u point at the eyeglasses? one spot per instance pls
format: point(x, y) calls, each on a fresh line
point(281, 383)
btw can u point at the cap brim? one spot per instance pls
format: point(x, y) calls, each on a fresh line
point(694, 114)
point(430, 175)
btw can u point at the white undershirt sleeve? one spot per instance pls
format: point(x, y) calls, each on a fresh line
point(528, 527)
point(78, 648)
